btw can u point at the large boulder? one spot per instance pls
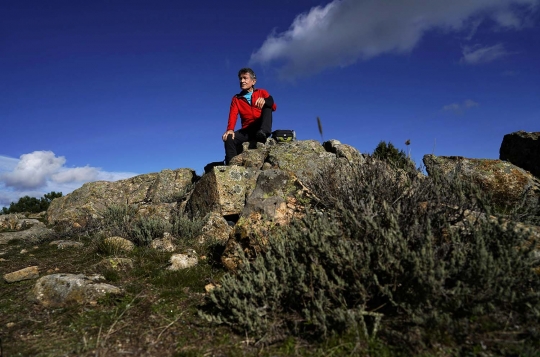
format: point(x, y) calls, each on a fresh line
point(154, 193)
point(253, 154)
point(522, 149)
point(223, 190)
point(57, 290)
point(506, 183)
point(303, 158)
point(278, 198)
point(216, 228)
point(23, 229)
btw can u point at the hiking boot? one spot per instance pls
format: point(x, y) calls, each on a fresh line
point(261, 136)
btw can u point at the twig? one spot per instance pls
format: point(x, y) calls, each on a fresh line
point(169, 325)
point(97, 342)
point(119, 317)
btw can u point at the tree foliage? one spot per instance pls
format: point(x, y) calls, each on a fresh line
point(31, 204)
point(393, 156)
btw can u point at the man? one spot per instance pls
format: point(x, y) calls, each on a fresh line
point(255, 107)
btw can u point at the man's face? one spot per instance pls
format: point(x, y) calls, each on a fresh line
point(246, 82)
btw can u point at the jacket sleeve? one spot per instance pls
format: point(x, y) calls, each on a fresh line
point(269, 100)
point(233, 115)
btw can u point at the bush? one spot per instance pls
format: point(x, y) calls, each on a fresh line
point(186, 228)
point(410, 250)
point(123, 221)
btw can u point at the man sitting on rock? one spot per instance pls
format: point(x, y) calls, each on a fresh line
point(255, 107)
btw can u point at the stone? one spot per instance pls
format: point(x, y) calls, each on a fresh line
point(10, 221)
point(209, 287)
point(163, 189)
point(345, 151)
point(222, 190)
point(116, 263)
point(63, 244)
point(523, 150)
point(250, 157)
point(278, 198)
point(119, 244)
point(506, 183)
point(33, 231)
point(57, 290)
point(303, 158)
point(164, 244)
point(23, 274)
point(183, 261)
point(39, 215)
point(216, 228)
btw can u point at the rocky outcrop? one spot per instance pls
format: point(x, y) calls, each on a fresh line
point(215, 228)
point(278, 198)
point(523, 150)
point(303, 158)
point(154, 193)
point(17, 227)
point(223, 190)
point(62, 289)
point(506, 183)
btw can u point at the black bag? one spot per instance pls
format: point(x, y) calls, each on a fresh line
point(284, 136)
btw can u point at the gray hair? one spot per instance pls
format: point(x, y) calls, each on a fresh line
point(249, 71)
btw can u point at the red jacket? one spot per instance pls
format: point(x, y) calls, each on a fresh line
point(248, 113)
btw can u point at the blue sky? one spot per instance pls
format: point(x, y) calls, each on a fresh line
point(104, 90)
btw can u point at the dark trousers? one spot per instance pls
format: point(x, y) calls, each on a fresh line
point(233, 147)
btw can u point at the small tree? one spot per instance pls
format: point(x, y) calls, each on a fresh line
point(32, 204)
point(393, 156)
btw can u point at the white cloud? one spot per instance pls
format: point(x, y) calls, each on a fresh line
point(7, 163)
point(478, 54)
point(33, 169)
point(459, 108)
point(345, 31)
point(77, 174)
point(40, 172)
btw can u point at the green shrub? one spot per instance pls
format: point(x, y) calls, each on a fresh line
point(393, 156)
point(410, 250)
point(185, 228)
point(123, 221)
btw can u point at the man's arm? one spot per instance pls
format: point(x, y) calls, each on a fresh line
point(233, 116)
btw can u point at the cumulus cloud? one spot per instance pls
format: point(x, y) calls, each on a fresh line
point(459, 108)
point(345, 31)
point(39, 172)
point(33, 170)
point(478, 54)
point(77, 174)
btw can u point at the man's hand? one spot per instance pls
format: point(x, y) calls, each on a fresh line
point(260, 103)
point(227, 133)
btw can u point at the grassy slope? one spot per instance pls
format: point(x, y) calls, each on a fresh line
point(156, 317)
